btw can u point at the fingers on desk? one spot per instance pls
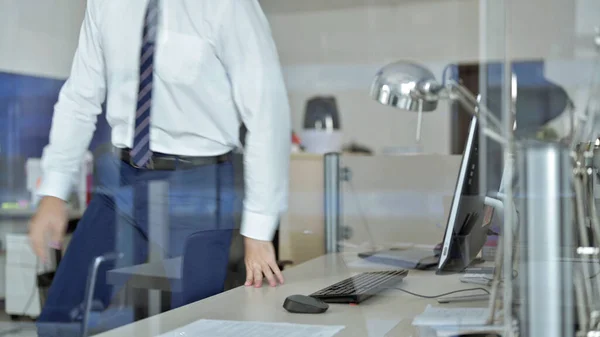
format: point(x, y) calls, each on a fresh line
point(255, 272)
point(277, 271)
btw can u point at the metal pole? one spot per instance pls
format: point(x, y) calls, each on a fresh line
point(332, 202)
point(545, 200)
point(509, 219)
point(158, 234)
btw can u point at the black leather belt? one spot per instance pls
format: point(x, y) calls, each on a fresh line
point(167, 162)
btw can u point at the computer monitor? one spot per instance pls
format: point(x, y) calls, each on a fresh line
point(469, 219)
point(466, 228)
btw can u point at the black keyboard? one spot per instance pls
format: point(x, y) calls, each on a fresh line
point(358, 288)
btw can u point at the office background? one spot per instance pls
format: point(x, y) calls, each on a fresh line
point(336, 54)
point(327, 47)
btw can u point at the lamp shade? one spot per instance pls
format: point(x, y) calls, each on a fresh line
point(406, 85)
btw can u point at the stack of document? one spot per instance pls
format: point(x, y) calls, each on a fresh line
point(220, 328)
point(446, 322)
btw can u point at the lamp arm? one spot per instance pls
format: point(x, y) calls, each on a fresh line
point(495, 203)
point(471, 103)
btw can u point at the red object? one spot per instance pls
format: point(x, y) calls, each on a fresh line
point(295, 139)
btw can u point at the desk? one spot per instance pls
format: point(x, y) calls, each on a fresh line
point(161, 275)
point(156, 280)
point(265, 304)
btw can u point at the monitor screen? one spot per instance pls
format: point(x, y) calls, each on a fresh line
point(467, 225)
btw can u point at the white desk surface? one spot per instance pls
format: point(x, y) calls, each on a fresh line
point(393, 307)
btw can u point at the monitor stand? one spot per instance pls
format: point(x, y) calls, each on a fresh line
point(406, 258)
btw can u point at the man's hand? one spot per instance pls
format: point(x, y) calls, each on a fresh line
point(48, 225)
point(260, 260)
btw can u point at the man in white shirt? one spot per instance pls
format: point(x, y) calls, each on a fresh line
point(179, 78)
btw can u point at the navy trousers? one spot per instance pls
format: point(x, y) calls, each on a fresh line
point(193, 209)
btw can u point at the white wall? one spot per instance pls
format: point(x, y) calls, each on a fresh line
point(577, 70)
point(588, 20)
point(39, 37)
point(335, 47)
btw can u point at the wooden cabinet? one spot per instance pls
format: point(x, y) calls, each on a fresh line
point(392, 200)
point(301, 231)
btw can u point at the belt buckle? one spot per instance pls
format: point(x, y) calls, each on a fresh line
point(149, 165)
point(132, 163)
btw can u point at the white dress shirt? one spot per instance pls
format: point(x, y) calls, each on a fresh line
point(216, 66)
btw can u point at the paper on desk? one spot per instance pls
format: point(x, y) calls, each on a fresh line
point(451, 317)
point(218, 328)
point(459, 331)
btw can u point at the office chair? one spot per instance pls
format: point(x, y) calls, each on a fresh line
point(206, 250)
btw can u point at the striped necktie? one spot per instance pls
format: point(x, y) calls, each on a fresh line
point(141, 152)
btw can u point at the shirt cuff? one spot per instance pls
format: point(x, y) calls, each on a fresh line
point(55, 184)
point(259, 226)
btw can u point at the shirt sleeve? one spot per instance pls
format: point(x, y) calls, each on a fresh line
point(75, 113)
point(246, 48)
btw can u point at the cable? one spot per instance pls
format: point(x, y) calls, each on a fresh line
point(441, 295)
point(33, 291)
point(31, 297)
point(362, 214)
point(28, 304)
point(492, 233)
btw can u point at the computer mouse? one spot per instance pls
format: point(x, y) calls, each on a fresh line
point(302, 304)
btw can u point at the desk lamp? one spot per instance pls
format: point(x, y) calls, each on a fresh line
point(412, 87)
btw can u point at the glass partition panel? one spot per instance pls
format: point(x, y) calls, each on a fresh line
point(396, 201)
point(426, 135)
point(540, 74)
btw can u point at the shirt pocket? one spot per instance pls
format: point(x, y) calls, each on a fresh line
point(179, 57)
